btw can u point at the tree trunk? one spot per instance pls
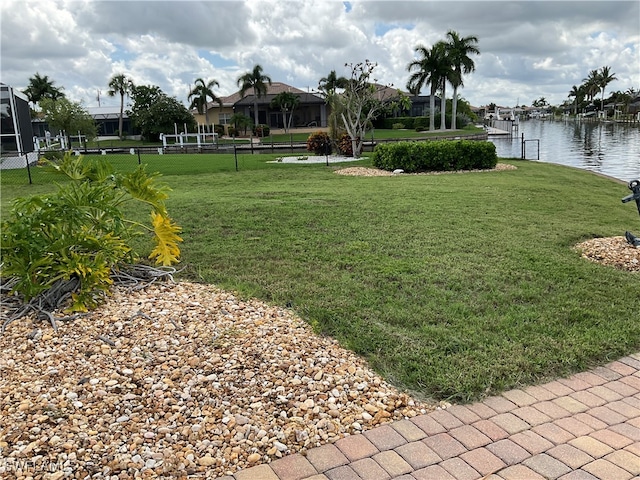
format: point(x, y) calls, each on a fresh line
point(290, 117)
point(120, 121)
point(432, 109)
point(443, 108)
point(255, 107)
point(454, 108)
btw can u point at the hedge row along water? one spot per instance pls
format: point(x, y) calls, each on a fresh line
point(444, 155)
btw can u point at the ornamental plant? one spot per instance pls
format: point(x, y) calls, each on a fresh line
point(80, 234)
point(261, 130)
point(319, 143)
point(345, 145)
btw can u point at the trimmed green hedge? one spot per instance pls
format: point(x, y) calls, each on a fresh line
point(421, 123)
point(443, 155)
point(408, 122)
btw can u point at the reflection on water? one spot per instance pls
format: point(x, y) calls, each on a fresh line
point(608, 148)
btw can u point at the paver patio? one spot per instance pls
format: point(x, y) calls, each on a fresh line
point(586, 426)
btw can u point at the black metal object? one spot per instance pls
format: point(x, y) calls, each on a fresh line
point(634, 186)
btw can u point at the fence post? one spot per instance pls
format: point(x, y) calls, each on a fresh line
point(139, 161)
point(29, 168)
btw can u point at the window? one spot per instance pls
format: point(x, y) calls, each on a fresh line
point(224, 118)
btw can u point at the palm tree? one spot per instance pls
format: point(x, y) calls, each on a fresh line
point(578, 94)
point(605, 77)
point(591, 84)
point(122, 85)
point(443, 97)
point(41, 87)
point(254, 80)
point(286, 102)
point(240, 120)
point(328, 86)
point(459, 50)
point(630, 95)
point(199, 95)
point(331, 82)
point(430, 68)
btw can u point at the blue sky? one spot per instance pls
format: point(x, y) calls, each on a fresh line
point(529, 49)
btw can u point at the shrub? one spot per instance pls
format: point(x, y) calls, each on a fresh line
point(462, 120)
point(80, 234)
point(54, 156)
point(421, 124)
point(319, 143)
point(398, 126)
point(219, 129)
point(261, 130)
point(232, 131)
point(443, 155)
point(345, 146)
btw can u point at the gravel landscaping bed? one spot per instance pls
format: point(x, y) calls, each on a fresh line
point(612, 251)
point(375, 172)
point(176, 380)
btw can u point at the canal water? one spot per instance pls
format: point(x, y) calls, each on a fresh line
point(608, 148)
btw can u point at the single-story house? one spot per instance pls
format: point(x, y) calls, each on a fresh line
point(311, 110)
point(107, 118)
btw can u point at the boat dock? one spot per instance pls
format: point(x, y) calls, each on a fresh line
point(496, 131)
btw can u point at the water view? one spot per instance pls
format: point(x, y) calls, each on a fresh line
point(607, 148)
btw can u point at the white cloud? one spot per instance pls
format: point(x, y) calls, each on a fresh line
point(529, 49)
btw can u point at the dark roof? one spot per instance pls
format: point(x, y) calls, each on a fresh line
point(305, 98)
point(272, 90)
point(275, 89)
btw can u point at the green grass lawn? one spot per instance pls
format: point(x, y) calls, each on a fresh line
point(293, 136)
point(379, 134)
point(452, 286)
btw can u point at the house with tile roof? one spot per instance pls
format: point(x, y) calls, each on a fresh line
point(311, 111)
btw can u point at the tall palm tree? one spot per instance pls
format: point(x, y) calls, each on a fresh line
point(122, 85)
point(328, 86)
point(429, 69)
point(42, 87)
point(200, 94)
point(605, 77)
point(578, 94)
point(591, 84)
point(254, 80)
point(459, 50)
point(446, 76)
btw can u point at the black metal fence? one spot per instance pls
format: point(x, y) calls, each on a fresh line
point(171, 159)
point(17, 170)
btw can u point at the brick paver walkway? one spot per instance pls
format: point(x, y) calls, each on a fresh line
point(584, 427)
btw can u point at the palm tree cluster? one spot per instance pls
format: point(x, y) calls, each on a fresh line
point(328, 87)
point(286, 102)
point(596, 82)
point(200, 94)
point(41, 87)
point(444, 63)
